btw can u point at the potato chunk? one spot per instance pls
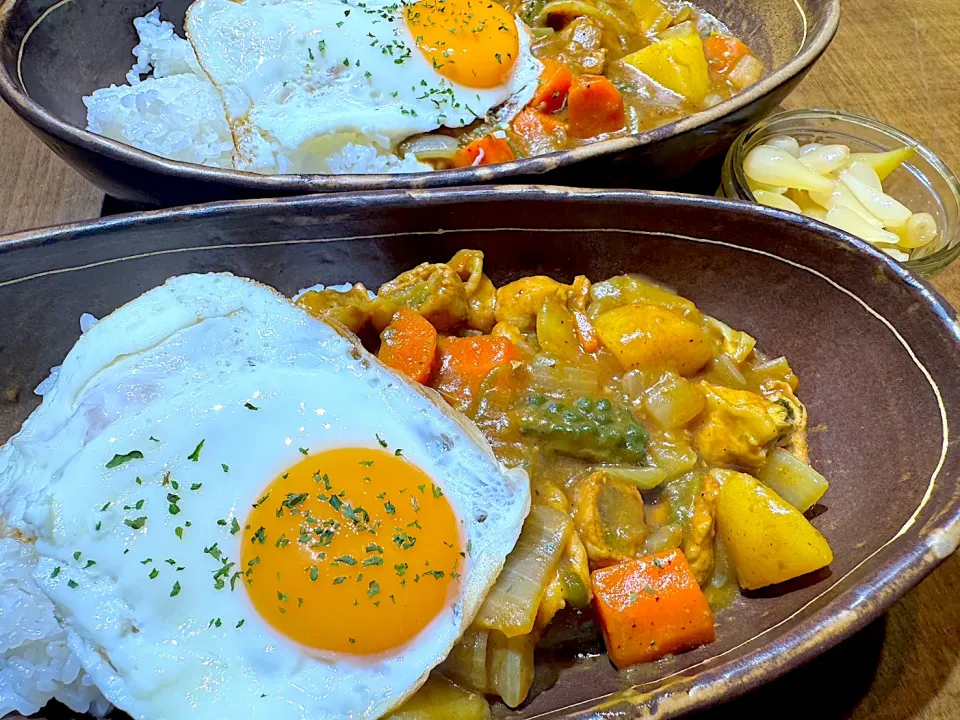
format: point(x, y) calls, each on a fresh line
point(647, 337)
point(769, 540)
point(737, 426)
point(677, 61)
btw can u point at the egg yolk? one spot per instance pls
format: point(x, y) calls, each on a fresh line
point(471, 42)
point(353, 551)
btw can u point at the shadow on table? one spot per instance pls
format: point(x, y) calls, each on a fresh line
point(891, 670)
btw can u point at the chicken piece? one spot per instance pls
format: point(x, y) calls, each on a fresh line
point(519, 302)
point(433, 290)
point(570, 584)
point(697, 543)
point(794, 440)
point(481, 294)
point(351, 308)
point(609, 517)
point(737, 426)
point(579, 46)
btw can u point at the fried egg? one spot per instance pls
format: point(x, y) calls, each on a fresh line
point(239, 512)
point(302, 78)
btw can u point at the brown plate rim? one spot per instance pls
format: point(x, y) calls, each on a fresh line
point(19, 100)
point(872, 586)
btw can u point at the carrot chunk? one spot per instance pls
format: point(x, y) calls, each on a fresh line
point(651, 607)
point(536, 133)
point(488, 150)
point(595, 106)
point(408, 344)
point(466, 362)
point(723, 52)
point(552, 88)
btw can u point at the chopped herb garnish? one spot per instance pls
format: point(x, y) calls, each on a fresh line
point(373, 560)
point(401, 569)
point(98, 526)
point(336, 503)
point(658, 562)
point(154, 573)
point(437, 492)
point(71, 584)
point(294, 499)
point(403, 541)
point(247, 405)
point(76, 555)
point(195, 455)
point(383, 443)
point(340, 579)
point(104, 508)
point(240, 624)
point(373, 589)
point(261, 501)
point(196, 486)
point(226, 468)
point(179, 532)
point(304, 451)
point(154, 439)
point(346, 560)
point(259, 536)
point(90, 564)
point(234, 527)
point(373, 547)
point(352, 641)
point(119, 460)
point(633, 598)
point(176, 590)
point(366, 463)
point(398, 452)
point(437, 574)
point(388, 506)
point(135, 524)
point(56, 571)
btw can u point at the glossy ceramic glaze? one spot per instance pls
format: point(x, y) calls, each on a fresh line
point(54, 53)
point(876, 351)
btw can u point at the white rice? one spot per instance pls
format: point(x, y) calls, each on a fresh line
point(36, 666)
point(170, 108)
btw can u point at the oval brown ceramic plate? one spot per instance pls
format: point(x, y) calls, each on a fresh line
point(54, 53)
point(876, 351)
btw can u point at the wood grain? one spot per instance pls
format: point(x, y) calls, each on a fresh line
point(896, 60)
point(36, 187)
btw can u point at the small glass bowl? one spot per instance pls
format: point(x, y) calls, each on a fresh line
point(923, 183)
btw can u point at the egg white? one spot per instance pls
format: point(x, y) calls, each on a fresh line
point(172, 368)
point(302, 78)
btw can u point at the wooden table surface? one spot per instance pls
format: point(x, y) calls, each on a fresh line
point(895, 60)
